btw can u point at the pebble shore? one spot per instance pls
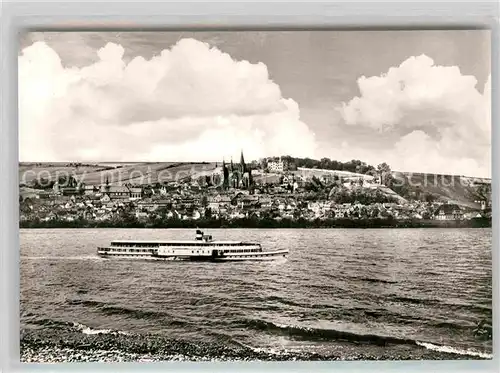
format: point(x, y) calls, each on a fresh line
point(45, 346)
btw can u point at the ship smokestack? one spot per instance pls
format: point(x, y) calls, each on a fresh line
point(199, 234)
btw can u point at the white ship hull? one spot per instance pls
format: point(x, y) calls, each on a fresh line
point(201, 249)
point(264, 256)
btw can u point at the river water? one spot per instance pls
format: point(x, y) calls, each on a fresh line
point(352, 289)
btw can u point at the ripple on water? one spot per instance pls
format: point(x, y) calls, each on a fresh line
point(402, 281)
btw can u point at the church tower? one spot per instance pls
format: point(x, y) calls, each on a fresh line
point(242, 164)
point(225, 175)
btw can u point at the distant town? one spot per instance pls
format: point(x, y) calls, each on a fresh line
point(271, 192)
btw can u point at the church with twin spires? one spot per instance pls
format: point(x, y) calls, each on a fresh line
point(236, 176)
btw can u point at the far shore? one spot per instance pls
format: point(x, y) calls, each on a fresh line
point(265, 223)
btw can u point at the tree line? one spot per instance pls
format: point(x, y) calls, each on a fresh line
point(389, 222)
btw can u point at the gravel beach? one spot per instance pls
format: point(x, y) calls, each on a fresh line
point(48, 347)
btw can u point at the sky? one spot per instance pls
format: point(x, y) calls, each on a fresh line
point(417, 100)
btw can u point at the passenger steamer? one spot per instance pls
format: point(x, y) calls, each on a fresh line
point(202, 248)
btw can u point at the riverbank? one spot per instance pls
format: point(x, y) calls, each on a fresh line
point(262, 223)
point(50, 346)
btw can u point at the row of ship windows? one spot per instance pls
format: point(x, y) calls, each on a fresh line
point(229, 256)
point(224, 251)
point(175, 244)
point(131, 250)
point(192, 252)
point(240, 251)
point(244, 256)
point(137, 256)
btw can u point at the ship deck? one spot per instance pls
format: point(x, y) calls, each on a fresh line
point(181, 242)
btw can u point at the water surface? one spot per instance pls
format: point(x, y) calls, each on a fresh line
point(356, 287)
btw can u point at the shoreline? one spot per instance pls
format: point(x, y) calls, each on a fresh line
point(265, 223)
point(68, 355)
point(53, 346)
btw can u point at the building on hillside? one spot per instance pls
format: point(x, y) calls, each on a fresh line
point(277, 166)
point(213, 204)
point(472, 215)
point(105, 198)
point(220, 204)
point(244, 201)
point(265, 202)
point(288, 179)
point(45, 195)
point(70, 191)
point(118, 192)
point(115, 191)
point(141, 215)
point(342, 210)
point(232, 176)
point(153, 205)
point(449, 212)
point(237, 176)
point(136, 193)
point(163, 191)
point(484, 203)
point(69, 187)
point(89, 189)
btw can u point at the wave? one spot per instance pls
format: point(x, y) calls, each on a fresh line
point(75, 327)
point(228, 344)
point(450, 325)
point(89, 331)
point(423, 301)
point(165, 318)
point(375, 280)
point(477, 308)
point(301, 332)
point(52, 323)
point(80, 257)
point(313, 334)
point(287, 302)
point(453, 350)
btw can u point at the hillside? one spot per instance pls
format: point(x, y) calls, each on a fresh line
point(133, 173)
point(463, 191)
point(310, 172)
point(390, 193)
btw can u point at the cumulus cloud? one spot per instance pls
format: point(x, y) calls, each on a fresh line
point(190, 102)
point(441, 120)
